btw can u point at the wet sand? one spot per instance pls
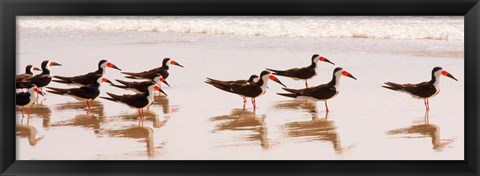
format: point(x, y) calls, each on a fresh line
point(197, 121)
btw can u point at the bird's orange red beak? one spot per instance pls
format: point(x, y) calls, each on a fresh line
point(345, 73)
point(110, 65)
point(445, 73)
point(277, 80)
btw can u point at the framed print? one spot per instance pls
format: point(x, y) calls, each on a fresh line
point(254, 87)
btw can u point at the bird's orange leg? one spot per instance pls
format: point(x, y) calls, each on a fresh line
point(306, 83)
point(326, 106)
point(88, 104)
point(254, 104)
point(425, 103)
point(244, 102)
point(21, 110)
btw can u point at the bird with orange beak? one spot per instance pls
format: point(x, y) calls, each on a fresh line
point(88, 92)
point(424, 90)
point(249, 89)
point(138, 101)
point(41, 80)
point(27, 99)
point(89, 78)
point(322, 92)
point(151, 74)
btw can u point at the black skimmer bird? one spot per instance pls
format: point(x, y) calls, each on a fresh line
point(42, 79)
point(141, 87)
point(423, 90)
point(250, 90)
point(27, 99)
point(303, 73)
point(253, 78)
point(139, 101)
point(88, 78)
point(150, 74)
point(88, 92)
point(321, 92)
point(28, 73)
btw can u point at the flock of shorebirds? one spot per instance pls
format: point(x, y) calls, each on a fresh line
point(88, 84)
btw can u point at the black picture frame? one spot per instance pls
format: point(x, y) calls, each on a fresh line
point(9, 9)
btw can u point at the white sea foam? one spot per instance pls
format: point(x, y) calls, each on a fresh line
point(405, 28)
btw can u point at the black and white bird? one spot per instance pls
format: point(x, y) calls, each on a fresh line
point(138, 101)
point(88, 92)
point(41, 80)
point(247, 90)
point(88, 78)
point(27, 99)
point(322, 92)
point(28, 73)
point(424, 90)
point(140, 87)
point(303, 73)
point(150, 74)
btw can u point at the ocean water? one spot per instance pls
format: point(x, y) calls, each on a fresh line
point(387, 27)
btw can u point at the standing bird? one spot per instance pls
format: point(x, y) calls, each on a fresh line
point(27, 99)
point(252, 79)
point(303, 73)
point(423, 90)
point(140, 87)
point(321, 92)
point(139, 101)
point(28, 73)
point(150, 74)
point(42, 79)
point(251, 89)
point(88, 78)
point(88, 92)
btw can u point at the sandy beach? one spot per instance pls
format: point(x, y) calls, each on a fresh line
point(199, 122)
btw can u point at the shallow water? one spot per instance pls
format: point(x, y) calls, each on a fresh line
point(198, 121)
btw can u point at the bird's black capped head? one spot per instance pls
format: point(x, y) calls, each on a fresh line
point(436, 69)
point(265, 72)
point(101, 62)
point(165, 61)
point(104, 64)
point(268, 75)
point(44, 64)
point(30, 68)
point(340, 72)
point(316, 58)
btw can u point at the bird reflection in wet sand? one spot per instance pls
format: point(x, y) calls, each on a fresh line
point(143, 134)
point(30, 132)
point(423, 130)
point(93, 119)
point(316, 129)
point(164, 103)
point(96, 107)
point(244, 120)
point(42, 111)
point(150, 116)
